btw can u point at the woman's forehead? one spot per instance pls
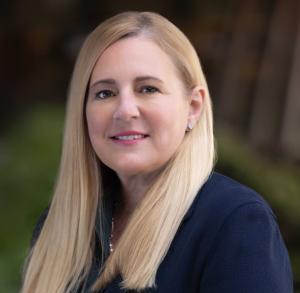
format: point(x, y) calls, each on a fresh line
point(139, 56)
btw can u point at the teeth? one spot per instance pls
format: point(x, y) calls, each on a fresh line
point(129, 137)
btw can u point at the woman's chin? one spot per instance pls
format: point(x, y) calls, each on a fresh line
point(128, 171)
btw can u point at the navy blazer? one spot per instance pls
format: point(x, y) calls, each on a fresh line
point(228, 242)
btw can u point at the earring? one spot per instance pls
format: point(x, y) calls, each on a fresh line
point(189, 127)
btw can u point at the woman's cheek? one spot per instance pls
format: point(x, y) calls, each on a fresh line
point(94, 121)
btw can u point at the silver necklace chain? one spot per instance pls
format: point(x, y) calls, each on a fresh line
point(111, 248)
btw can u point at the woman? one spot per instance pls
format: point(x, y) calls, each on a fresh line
point(136, 205)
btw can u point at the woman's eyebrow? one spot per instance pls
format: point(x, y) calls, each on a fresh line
point(109, 81)
point(148, 77)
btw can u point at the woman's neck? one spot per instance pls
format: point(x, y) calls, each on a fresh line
point(134, 189)
point(132, 192)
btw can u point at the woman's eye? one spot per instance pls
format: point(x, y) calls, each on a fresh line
point(149, 89)
point(104, 94)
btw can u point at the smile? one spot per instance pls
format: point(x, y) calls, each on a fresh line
point(129, 137)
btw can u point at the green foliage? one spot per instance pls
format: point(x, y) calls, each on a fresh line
point(28, 164)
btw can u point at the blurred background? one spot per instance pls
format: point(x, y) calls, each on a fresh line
point(250, 52)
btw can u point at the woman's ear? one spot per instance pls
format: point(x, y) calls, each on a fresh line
point(196, 102)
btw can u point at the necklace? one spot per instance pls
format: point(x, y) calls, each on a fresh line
point(111, 248)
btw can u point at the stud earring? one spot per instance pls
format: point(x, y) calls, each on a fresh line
point(189, 127)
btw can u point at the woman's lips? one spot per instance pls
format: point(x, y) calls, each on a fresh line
point(128, 137)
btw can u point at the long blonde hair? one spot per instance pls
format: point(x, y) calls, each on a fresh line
point(62, 255)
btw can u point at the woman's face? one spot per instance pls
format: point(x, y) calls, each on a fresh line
point(137, 109)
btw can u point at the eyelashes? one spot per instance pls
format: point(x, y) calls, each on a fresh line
point(149, 89)
point(104, 94)
point(108, 93)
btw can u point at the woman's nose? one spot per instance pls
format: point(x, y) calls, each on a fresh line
point(126, 108)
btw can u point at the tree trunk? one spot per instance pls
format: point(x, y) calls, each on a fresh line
point(270, 95)
point(290, 135)
point(242, 63)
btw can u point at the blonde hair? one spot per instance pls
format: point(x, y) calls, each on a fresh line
point(62, 255)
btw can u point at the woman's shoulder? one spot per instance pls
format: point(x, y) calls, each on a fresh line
point(225, 194)
point(241, 235)
point(222, 196)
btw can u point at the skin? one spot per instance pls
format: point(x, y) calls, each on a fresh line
point(135, 87)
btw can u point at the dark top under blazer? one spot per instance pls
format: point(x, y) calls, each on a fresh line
point(228, 242)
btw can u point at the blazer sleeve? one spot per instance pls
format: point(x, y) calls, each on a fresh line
point(248, 255)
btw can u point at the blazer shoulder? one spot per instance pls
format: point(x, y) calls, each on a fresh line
point(219, 197)
point(225, 194)
point(245, 246)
